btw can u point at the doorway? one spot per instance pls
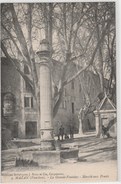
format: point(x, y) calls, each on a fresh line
point(31, 129)
point(15, 129)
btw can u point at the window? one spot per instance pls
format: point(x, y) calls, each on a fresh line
point(64, 104)
point(72, 85)
point(72, 107)
point(80, 88)
point(28, 102)
point(27, 87)
point(26, 69)
point(15, 129)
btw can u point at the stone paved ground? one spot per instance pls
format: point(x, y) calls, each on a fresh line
point(97, 162)
point(92, 149)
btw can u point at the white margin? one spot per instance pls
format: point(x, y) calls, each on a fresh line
point(118, 57)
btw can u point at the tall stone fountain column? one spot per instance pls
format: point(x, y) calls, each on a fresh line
point(46, 127)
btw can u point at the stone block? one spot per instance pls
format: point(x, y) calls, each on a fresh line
point(70, 153)
point(46, 157)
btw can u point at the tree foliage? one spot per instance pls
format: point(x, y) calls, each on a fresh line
point(81, 33)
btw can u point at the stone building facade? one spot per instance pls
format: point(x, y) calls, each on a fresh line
point(24, 122)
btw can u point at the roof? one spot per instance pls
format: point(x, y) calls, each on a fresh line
point(106, 104)
point(5, 61)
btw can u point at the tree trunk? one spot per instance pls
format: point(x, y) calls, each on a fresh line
point(50, 26)
point(100, 57)
point(101, 81)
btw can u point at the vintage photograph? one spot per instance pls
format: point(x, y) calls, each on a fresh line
point(58, 92)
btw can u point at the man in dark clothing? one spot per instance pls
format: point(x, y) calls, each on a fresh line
point(105, 131)
point(71, 131)
point(66, 136)
point(61, 132)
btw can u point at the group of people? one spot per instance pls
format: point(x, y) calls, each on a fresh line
point(62, 135)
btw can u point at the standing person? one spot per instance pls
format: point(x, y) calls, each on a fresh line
point(71, 131)
point(58, 130)
point(61, 132)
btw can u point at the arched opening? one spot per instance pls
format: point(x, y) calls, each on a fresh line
point(8, 104)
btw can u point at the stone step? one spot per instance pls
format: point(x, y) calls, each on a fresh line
point(9, 163)
point(8, 160)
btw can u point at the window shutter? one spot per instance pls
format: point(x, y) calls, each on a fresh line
point(26, 101)
point(32, 102)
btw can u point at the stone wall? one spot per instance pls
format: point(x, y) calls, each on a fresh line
point(10, 82)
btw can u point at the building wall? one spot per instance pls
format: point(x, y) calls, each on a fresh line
point(10, 82)
point(30, 114)
point(73, 94)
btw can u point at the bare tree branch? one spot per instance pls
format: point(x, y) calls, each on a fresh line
point(65, 26)
point(31, 52)
point(14, 42)
point(85, 50)
point(92, 58)
point(71, 28)
point(19, 32)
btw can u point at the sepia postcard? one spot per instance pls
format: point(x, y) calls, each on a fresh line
point(58, 92)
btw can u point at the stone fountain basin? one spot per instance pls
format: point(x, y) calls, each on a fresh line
point(49, 157)
point(69, 153)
